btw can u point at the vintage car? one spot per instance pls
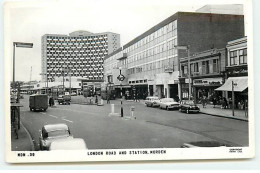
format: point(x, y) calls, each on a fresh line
point(69, 144)
point(64, 99)
point(53, 132)
point(151, 101)
point(168, 103)
point(204, 144)
point(188, 106)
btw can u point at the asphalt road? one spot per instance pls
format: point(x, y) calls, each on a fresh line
point(152, 128)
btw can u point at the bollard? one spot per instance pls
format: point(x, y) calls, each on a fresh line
point(101, 102)
point(132, 109)
point(113, 111)
point(112, 108)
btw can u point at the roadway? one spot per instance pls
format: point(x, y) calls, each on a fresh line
point(153, 127)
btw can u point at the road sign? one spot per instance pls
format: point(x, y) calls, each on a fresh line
point(121, 77)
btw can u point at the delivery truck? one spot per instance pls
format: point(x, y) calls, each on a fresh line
point(38, 102)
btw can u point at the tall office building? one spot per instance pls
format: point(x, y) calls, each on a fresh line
point(79, 54)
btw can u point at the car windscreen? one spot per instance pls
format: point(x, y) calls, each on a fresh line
point(188, 102)
point(58, 133)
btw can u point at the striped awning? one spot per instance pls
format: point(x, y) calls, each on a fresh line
point(240, 84)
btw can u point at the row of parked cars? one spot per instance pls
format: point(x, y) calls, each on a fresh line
point(59, 137)
point(187, 106)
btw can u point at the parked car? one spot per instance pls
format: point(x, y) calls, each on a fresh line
point(204, 144)
point(53, 132)
point(69, 144)
point(189, 106)
point(73, 94)
point(168, 103)
point(38, 102)
point(64, 99)
point(152, 101)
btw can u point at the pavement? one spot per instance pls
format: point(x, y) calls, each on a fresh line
point(25, 143)
point(225, 113)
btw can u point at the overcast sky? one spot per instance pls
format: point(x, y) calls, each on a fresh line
point(27, 22)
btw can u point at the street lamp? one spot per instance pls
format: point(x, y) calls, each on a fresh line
point(187, 48)
point(63, 71)
point(18, 44)
point(233, 98)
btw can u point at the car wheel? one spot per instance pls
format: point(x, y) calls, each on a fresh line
point(187, 111)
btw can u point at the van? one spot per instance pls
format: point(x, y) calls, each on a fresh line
point(38, 102)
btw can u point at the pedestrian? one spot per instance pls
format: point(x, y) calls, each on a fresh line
point(214, 101)
point(204, 101)
point(96, 100)
point(50, 101)
point(108, 99)
point(224, 103)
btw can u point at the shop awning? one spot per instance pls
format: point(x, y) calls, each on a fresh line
point(241, 83)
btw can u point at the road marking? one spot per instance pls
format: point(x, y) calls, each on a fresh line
point(53, 116)
point(67, 120)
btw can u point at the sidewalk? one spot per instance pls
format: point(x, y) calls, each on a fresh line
point(226, 113)
point(24, 141)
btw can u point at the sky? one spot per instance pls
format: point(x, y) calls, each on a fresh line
point(27, 21)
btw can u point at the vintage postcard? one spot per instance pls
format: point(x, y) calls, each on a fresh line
point(128, 80)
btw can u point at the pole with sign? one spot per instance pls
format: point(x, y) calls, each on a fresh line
point(121, 77)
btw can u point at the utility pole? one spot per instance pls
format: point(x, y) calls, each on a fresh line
point(233, 98)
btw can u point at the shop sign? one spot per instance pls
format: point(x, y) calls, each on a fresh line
point(206, 82)
point(238, 71)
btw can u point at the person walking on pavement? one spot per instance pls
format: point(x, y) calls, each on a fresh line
point(224, 103)
point(96, 99)
point(204, 101)
point(108, 99)
point(214, 101)
point(51, 102)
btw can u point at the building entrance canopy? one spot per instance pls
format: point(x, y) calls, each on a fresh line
point(240, 84)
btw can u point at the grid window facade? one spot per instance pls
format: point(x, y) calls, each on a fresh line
point(81, 56)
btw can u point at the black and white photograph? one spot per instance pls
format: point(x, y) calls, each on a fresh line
point(128, 80)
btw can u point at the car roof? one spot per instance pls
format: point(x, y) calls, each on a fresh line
point(68, 144)
point(53, 127)
point(152, 97)
point(206, 144)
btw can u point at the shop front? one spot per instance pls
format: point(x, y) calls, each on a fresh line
point(239, 86)
point(206, 87)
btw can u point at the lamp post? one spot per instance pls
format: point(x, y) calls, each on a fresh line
point(18, 44)
point(233, 98)
point(24, 45)
point(187, 48)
